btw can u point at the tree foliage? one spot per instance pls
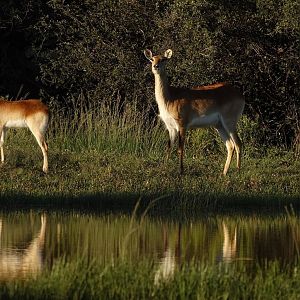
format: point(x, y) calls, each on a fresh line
point(62, 49)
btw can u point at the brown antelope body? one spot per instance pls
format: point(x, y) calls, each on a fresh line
point(219, 105)
point(32, 114)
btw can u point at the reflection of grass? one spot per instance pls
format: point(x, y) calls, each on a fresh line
point(293, 220)
point(113, 270)
point(82, 280)
point(134, 236)
point(118, 154)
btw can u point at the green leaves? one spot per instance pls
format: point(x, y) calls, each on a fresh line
point(96, 48)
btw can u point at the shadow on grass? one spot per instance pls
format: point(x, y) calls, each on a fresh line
point(175, 204)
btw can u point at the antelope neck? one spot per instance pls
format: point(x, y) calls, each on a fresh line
point(162, 93)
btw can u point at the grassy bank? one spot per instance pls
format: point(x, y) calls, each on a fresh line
point(136, 281)
point(115, 156)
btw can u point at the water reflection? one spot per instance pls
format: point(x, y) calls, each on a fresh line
point(229, 244)
point(28, 245)
point(172, 252)
point(19, 261)
point(171, 256)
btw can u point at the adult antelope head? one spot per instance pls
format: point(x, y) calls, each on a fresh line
point(25, 113)
point(219, 105)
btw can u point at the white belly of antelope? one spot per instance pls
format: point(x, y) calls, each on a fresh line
point(16, 123)
point(204, 121)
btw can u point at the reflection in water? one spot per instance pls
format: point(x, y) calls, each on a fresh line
point(172, 253)
point(229, 244)
point(20, 262)
point(171, 257)
point(25, 248)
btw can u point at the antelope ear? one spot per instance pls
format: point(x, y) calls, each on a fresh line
point(148, 54)
point(168, 53)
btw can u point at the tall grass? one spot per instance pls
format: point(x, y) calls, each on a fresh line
point(117, 150)
point(111, 126)
point(83, 280)
point(117, 126)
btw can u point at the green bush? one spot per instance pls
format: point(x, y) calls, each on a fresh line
point(63, 50)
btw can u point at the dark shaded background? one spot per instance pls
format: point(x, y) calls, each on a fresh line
point(92, 50)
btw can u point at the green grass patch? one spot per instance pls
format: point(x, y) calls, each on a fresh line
point(122, 280)
point(101, 157)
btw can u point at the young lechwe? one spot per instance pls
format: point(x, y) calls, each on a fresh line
point(32, 114)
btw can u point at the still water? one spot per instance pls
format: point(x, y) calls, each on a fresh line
point(31, 242)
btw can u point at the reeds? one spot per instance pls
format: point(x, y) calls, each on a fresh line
point(116, 127)
point(116, 150)
point(83, 280)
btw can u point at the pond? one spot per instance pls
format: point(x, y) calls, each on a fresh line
point(31, 241)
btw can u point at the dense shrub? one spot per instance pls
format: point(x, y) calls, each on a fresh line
point(61, 50)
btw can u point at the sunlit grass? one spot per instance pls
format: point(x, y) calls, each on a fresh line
point(116, 128)
point(118, 153)
point(82, 280)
